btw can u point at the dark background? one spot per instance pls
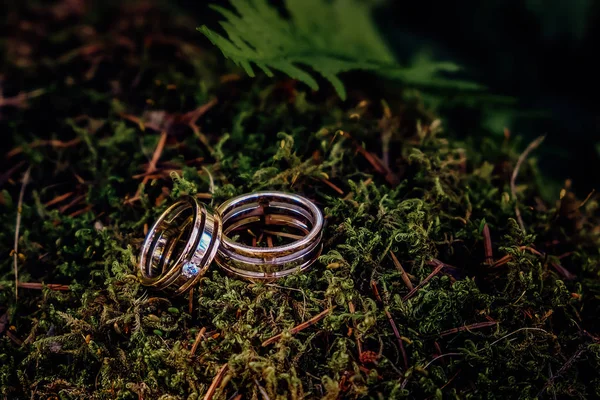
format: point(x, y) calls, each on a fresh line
point(542, 53)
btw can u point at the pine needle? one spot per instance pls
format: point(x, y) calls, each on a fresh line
point(513, 186)
point(17, 229)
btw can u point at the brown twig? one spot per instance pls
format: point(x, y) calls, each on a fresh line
point(199, 338)
point(14, 338)
point(269, 241)
point(588, 197)
point(566, 274)
point(262, 390)
point(58, 199)
point(438, 268)
point(20, 100)
point(403, 273)
point(487, 245)
point(151, 166)
point(451, 379)
point(332, 185)
point(513, 186)
point(509, 257)
point(192, 118)
point(215, 383)
point(283, 234)
point(73, 202)
point(563, 369)
point(6, 176)
point(38, 143)
point(393, 324)
point(358, 342)
point(17, 228)
point(478, 325)
point(191, 301)
point(79, 212)
point(300, 327)
point(3, 322)
point(36, 285)
point(39, 286)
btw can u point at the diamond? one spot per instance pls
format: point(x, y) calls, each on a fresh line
point(190, 269)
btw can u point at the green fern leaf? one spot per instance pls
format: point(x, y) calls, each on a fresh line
point(328, 37)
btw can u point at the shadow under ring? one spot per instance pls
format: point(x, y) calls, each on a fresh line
point(270, 208)
point(180, 246)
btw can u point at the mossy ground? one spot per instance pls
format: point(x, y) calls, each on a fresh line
point(90, 97)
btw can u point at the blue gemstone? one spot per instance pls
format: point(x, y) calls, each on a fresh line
point(190, 269)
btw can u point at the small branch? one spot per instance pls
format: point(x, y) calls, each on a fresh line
point(358, 343)
point(192, 116)
point(487, 244)
point(563, 369)
point(332, 185)
point(509, 257)
point(40, 286)
point(513, 186)
point(478, 325)
point(38, 143)
point(191, 301)
point(14, 338)
point(20, 100)
point(6, 176)
point(215, 383)
point(199, 338)
point(437, 269)
point(58, 199)
point(82, 211)
point(17, 228)
point(151, 166)
point(403, 273)
point(73, 202)
point(589, 196)
point(262, 390)
point(282, 234)
point(393, 324)
point(441, 356)
point(300, 327)
point(566, 274)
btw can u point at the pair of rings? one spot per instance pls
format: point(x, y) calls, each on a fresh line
point(188, 235)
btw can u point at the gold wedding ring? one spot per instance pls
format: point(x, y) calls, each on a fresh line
point(270, 209)
point(180, 246)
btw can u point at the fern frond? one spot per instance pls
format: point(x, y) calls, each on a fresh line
point(328, 37)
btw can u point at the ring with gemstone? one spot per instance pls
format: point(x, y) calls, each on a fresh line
point(180, 246)
point(185, 239)
point(270, 209)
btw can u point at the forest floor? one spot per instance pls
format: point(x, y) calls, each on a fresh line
point(444, 272)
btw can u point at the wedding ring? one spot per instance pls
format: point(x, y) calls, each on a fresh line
point(188, 235)
point(277, 209)
point(180, 246)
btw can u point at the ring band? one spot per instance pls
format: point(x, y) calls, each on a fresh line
point(180, 246)
point(270, 208)
point(188, 235)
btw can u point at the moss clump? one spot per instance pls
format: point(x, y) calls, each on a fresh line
point(121, 121)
